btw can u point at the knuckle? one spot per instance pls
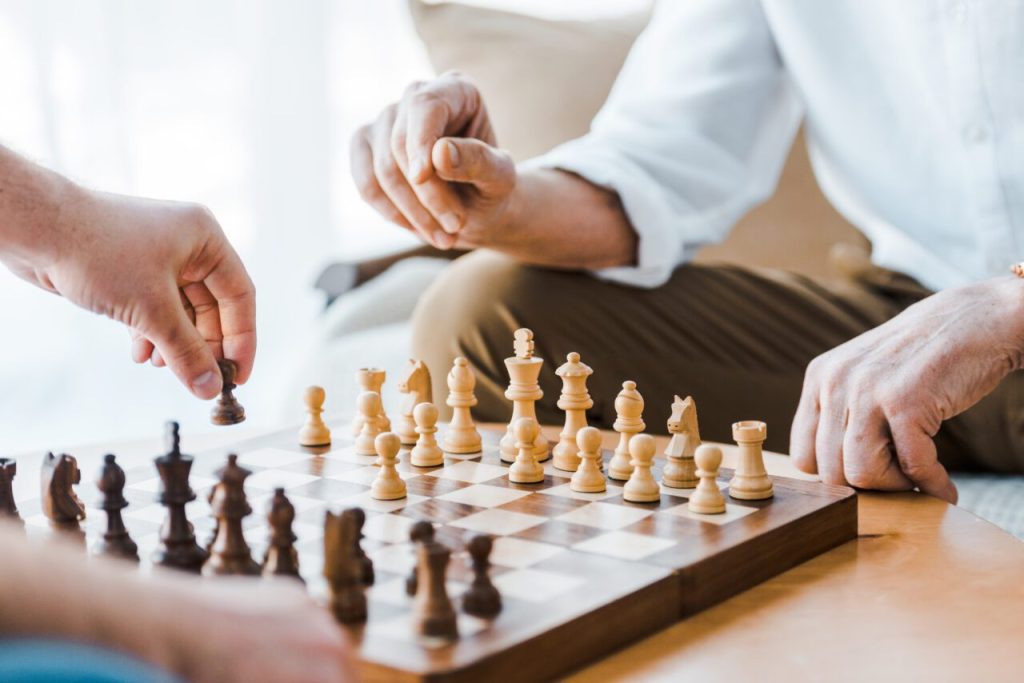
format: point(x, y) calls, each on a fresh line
point(413, 88)
point(386, 170)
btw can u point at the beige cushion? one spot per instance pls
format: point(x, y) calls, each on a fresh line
point(543, 81)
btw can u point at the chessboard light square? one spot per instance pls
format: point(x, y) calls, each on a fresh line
point(676, 493)
point(151, 513)
point(398, 558)
point(197, 482)
point(401, 628)
point(367, 501)
point(366, 475)
point(519, 553)
point(731, 514)
point(564, 491)
point(348, 454)
point(388, 528)
point(624, 545)
point(391, 592)
point(535, 585)
point(271, 457)
point(261, 503)
point(469, 471)
point(605, 516)
point(272, 479)
point(483, 496)
point(498, 522)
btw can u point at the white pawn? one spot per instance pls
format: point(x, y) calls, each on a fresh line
point(588, 477)
point(461, 436)
point(388, 485)
point(708, 498)
point(426, 452)
point(368, 405)
point(642, 486)
point(526, 469)
point(314, 432)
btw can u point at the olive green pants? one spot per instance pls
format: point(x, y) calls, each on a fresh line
point(736, 339)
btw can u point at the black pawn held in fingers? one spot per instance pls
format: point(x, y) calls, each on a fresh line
point(227, 410)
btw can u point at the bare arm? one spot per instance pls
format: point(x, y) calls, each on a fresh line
point(228, 630)
point(430, 164)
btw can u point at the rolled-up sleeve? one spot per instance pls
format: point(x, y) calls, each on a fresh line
point(694, 132)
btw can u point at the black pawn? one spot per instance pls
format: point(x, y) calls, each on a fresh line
point(178, 548)
point(365, 563)
point(481, 599)
point(281, 559)
point(342, 568)
point(227, 410)
point(8, 509)
point(421, 532)
point(115, 542)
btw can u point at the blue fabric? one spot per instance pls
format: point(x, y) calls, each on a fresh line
point(36, 661)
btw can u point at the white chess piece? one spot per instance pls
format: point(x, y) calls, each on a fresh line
point(426, 452)
point(368, 405)
point(526, 469)
point(461, 436)
point(314, 432)
point(750, 481)
point(588, 477)
point(371, 379)
point(524, 392)
point(629, 408)
point(388, 485)
point(575, 401)
point(708, 498)
point(641, 487)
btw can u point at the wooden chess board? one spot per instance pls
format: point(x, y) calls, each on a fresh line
point(580, 574)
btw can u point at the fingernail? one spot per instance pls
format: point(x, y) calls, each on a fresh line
point(206, 384)
point(443, 240)
point(453, 153)
point(418, 169)
point(450, 222)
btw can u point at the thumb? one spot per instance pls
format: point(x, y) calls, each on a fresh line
point(467, 160)
point(915, 451)
point(182, 347)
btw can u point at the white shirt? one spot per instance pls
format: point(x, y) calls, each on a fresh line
point(915, 124)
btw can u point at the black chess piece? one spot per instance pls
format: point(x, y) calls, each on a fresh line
point(281, 558)
point(178, 548)
point(227, 410)
point(342, 569)
point(230, 553)
point(365, 562)
point(421, 532)
point(8, 508)
point(61, 504)
point(481, 599)
point(432, 611)
point(116, 541)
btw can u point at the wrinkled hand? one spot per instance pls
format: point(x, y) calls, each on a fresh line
point(251, 631)
point(429, 164)
point(165, 270)
point(871, 407)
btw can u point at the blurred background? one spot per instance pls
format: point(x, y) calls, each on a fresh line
point(246, 107)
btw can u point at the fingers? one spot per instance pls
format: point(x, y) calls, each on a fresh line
point(361, 158)
point(182, 347)
point(868, 459)
point(465, 160)
point(142, 348)
point(919, 460)
point(804, 429)
point(443, 107)
point(225, 308)
point(393, 183)
point(828, 440)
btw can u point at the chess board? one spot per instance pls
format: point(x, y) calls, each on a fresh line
point(580, 574)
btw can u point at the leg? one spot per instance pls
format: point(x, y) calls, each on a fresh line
point(738, 340)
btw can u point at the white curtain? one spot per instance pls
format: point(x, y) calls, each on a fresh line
point(245, 106)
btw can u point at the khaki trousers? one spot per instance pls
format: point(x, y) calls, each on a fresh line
point(737, 339)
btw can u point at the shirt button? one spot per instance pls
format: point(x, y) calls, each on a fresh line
point(975, 134)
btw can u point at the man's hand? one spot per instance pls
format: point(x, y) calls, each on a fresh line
point(871, 407)
point(429, 164)
point(163, 269)
point(253, 631)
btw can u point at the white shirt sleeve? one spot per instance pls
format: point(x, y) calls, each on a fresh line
point(694, 132)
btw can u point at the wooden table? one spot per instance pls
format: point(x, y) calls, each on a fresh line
point(927, 592)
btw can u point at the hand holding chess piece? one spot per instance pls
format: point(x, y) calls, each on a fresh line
point(227, 410)
point(314, 432)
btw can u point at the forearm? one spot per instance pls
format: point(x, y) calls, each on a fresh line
point(560, 220)
point(31, 198)
point(52, 590)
